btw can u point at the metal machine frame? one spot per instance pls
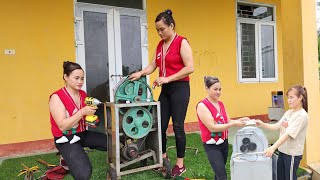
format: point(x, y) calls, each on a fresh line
point(114, 132)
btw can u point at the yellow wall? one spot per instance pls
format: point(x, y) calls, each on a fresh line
point(210, 27)
point(300, 50)
point(42, 34)
point(311, 76)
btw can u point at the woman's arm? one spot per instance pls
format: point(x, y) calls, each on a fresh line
point(58, 112)
point(275, 146)
point(207, 119)
point(187, 58)
point(243, 119)
point(272, 127)
point(146, 71)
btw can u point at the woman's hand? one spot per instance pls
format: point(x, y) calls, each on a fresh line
point(269, 151)
point(88, 110)
point(238, 123)
point(284, 124)
point(161, 80)
point(259, 123)
point(244, 119)
point(135, 76)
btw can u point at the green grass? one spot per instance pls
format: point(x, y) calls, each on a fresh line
point(10, 168)
point(197, 164)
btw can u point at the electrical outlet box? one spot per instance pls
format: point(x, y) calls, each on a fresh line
point(9, 52)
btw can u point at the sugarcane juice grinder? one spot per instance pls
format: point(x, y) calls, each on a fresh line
point(133, 127)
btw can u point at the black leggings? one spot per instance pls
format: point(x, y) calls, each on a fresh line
point(174, 99)
point(76, 158)
point(287, 166)
point(217, 156)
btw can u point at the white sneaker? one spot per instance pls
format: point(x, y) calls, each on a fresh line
point(211, 141)
point(74, 139)
point(220, 141)
point(63, 139)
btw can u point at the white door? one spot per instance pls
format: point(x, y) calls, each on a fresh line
point(111, 42)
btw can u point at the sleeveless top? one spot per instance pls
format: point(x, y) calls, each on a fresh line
point(170, 62)
point(219, 118)
point(71, 109)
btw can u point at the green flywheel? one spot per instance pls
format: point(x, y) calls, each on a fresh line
point(137, 122)
point(132, 92)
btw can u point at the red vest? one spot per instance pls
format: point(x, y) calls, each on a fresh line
point(170, 62)
point(71, 108)
point(220, 118)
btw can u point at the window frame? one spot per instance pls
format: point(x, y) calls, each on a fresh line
point(258, 52)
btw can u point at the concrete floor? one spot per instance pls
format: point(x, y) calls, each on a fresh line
point(316, 170)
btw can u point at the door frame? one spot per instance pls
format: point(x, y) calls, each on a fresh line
point(114, 38)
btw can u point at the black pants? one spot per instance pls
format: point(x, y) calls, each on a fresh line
point(217, 156)
point(76, 158)
point(174, 99)
point(287, 166)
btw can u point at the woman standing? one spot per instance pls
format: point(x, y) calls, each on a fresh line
point(214, 123)
point(293, 128)
point(173, 57)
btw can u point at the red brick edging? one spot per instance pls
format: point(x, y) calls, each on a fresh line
point(47, 145)
point(26, 148)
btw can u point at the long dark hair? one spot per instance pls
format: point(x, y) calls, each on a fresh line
point(301, 91)
point(68, 67)
point(167, 18)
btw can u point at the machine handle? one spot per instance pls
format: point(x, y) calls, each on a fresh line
point(252, 153)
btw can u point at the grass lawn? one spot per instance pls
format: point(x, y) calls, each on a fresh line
point(197, 164)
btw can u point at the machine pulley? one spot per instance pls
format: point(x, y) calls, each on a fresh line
point(128, 91)
point(137, 122)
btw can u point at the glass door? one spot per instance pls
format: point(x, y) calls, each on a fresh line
point(111, 42)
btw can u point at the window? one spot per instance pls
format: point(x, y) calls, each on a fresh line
point(256, 36)
point(134, 4)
